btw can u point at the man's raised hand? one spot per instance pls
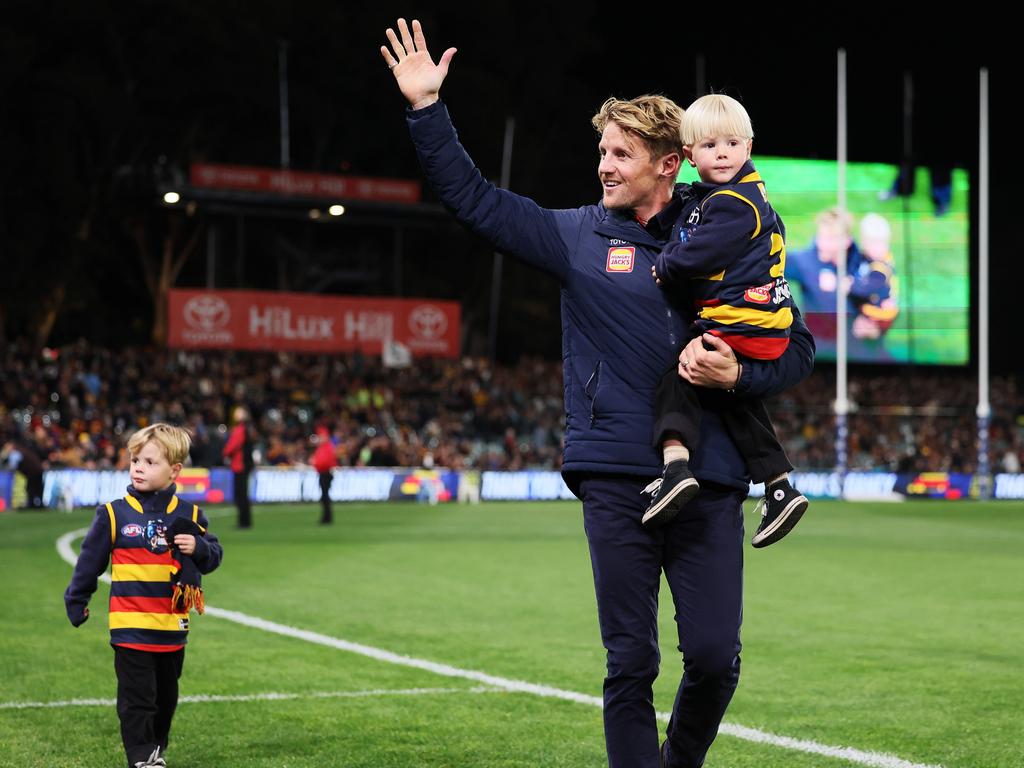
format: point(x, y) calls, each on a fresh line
point(419, 78)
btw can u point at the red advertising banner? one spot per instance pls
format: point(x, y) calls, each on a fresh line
point(250, 178)
point(311, 322)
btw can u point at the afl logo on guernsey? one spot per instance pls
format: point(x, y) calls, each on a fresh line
point(620, 259)
point(132, 529)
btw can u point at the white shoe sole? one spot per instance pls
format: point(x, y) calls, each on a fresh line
point(688, 488)
point(783, 524)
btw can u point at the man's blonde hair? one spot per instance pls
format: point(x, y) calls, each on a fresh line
point(835, 218)
point(715, 115)
point(655, 120)
point(174, 442)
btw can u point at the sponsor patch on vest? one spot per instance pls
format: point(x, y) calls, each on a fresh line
point(620, 260)
point(132, 529)
point(759, 295)
point(183, 624)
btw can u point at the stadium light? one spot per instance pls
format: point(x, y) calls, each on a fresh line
point(314, 213)
point(172, 198)
point(336, 210)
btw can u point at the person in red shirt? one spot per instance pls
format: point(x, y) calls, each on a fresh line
point(238, 452)
point(324, 460)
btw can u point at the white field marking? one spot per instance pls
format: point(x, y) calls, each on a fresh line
point(875, 759)
point(67, 554)
point(862, 757)
point(379, 654)
point(269, 696)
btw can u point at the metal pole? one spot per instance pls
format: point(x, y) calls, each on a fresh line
point(910, 167)
point(506, 172)
point(240, 250)
point(842, 407)
point(282, 90)
point(984, 406)
point(211, 256)
point(398, 246)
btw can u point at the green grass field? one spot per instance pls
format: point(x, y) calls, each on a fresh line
point(891, 628)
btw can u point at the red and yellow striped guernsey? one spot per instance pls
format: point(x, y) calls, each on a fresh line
point(142, 566)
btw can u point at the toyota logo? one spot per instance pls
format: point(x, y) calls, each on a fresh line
point(207, 313)
point(427, 322)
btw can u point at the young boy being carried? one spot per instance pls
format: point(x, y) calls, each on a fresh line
point(731, 256)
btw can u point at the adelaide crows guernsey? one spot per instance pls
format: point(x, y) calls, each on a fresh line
point(132, 534)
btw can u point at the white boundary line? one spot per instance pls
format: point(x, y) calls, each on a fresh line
point(873, 759)
point(269, 696)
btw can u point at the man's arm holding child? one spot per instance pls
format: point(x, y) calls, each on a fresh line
point(708, 361)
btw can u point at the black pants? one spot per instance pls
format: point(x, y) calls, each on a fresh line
point(701, 555)
point(326, 478)
point(678, 409)
point(147, 694)
point(242, 500)
point(34, 489)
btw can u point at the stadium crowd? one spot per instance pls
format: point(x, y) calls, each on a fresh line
point(75, 406)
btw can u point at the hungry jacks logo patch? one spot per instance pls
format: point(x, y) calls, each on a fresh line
point(620, 259)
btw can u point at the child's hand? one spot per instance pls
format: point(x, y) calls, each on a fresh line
point(186, 543)
point(654, 274)
point(78, 619)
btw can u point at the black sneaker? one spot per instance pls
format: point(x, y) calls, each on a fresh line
point(669, 493)
point(782, 507)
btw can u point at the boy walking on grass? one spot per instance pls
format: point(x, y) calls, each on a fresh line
point(158, 547)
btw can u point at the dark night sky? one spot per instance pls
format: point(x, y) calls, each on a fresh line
point(93, 89)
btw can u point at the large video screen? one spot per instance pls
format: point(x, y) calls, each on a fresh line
point(907, 254)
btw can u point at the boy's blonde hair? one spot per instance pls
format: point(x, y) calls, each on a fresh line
point(716, 115)
point(656, 120)
point(174, 442)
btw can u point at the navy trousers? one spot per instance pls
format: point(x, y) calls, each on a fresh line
point(147, 695)
point(701, 555)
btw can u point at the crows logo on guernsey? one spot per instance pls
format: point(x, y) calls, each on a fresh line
point(156, 535)
point(620, 259)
